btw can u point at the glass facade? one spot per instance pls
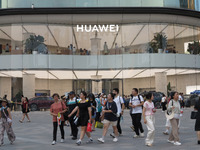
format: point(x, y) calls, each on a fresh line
point(44, 54)
point(65, 59)
point(69, 40)
point(191, 4)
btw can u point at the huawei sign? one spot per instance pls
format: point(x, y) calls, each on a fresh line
point(97, 28)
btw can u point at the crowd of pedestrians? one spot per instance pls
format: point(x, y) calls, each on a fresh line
point(109, 111)
point(86, 110)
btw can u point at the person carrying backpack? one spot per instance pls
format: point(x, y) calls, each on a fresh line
point(120, 110)
point(136, 104)
point(98, 109)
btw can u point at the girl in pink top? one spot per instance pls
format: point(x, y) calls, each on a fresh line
point(149, 119)
point(58, 107)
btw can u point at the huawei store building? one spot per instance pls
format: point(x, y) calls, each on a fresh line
point(49, 46)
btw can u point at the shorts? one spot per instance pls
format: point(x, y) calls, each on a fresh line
point(94, 116)
point(113, 123)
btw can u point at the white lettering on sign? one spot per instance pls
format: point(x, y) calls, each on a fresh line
point(97, 28)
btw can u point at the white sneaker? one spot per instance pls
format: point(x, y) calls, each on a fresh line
point(53, 143)
point(141, 135)
point(177, 143)
point(136, 136)
point(115, 140)
point(90, 141)
point(101, 140)
point(78, 142)
point(170, 141)
point(62, 141)
point(166, 133)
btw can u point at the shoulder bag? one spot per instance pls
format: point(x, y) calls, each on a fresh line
point(8, 119)
point(170, 114)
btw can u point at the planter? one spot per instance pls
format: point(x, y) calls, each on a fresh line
point(160, 50)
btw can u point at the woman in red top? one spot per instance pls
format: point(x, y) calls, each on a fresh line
point(25, 109)
point(58, 108)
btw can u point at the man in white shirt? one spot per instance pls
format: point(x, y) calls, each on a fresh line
point(163, 103)
point(180, 98)
point(120, 108)
point(136, 104)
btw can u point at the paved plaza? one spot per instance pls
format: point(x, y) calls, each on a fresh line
point(37, 135)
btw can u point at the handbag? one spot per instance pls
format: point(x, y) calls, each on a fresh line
point(89, 127)
point(99, 125)
point(170, 114)
point(193, 115)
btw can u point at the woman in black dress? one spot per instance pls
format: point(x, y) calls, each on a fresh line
point(197, 124)
point(85, 116)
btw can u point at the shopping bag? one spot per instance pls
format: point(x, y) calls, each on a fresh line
point(75, 120)
point(89, 127)
point(99, 125)
point(59, 119)
point(121, 119)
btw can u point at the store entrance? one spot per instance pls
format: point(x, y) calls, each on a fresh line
point(86, 85)
point(82, 85)
point(109, 85)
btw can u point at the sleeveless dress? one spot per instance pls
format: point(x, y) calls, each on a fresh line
point(83, 113)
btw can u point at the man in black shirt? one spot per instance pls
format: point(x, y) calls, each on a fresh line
point(72, 103)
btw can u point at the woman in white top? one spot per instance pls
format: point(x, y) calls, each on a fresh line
point(149, 119)
point(174, 106)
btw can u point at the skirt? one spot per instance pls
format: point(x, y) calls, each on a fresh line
point(83, 120)
point(24, 111)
